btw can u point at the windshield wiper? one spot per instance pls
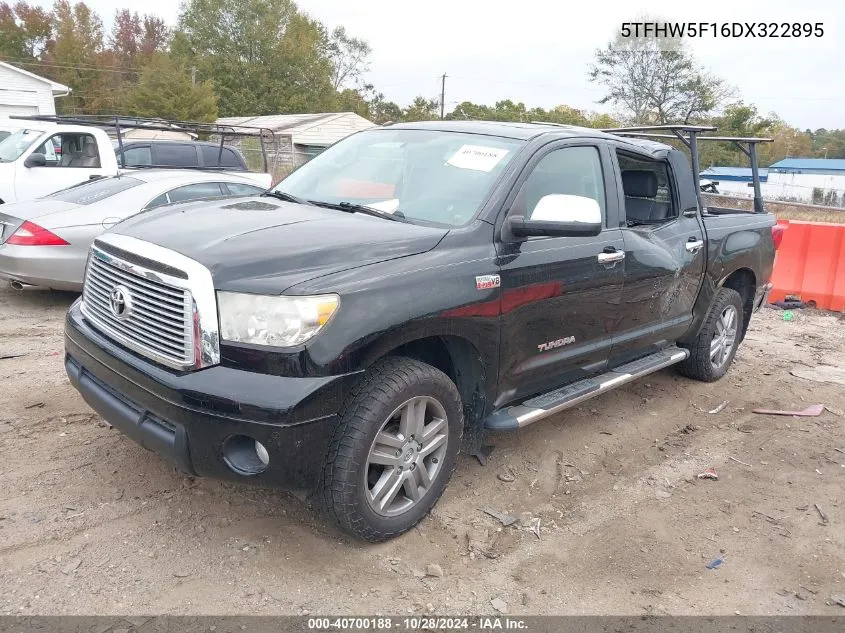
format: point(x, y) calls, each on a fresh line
point(350, 207)
point(284, 197)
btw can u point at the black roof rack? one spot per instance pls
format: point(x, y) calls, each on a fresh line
point(689, 135)
point(123, 122)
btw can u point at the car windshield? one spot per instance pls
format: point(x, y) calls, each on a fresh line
point(424, 175)
point(17, 143)
point(91, 191)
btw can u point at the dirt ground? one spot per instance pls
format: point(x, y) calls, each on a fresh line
point(90, 523)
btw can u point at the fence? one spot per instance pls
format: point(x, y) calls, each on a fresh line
point(781, 209)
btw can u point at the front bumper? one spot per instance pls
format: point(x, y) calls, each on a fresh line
point(187, 418)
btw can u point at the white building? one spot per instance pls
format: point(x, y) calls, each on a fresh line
point(812, 180)
point(298, 137)
point(25, 93)
point(807, 180)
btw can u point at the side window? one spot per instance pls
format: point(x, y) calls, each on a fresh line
point(239, 189)
point(52, 150)
point(574, 171)
point(195, 192)
point(71, 150)
point(211, 157)
point(176, 154)
point(157, 202)
point(648, 190)
point(137, 156)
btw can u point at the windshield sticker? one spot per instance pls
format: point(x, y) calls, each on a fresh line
point(388, 206)
point(477, 157)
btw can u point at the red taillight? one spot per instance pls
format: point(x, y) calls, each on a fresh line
point(30, 234)
point(777, 234)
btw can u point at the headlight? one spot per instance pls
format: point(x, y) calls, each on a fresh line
point(273, 321)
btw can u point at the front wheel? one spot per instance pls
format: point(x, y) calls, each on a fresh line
point(712, 353)
point(394, 449)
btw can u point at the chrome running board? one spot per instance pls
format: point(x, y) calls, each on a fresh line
point(547, 404)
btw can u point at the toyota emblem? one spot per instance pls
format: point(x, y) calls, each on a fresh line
point(120, 302)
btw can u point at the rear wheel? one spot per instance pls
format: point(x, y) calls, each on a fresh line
point(394, 450)
point(713, 351)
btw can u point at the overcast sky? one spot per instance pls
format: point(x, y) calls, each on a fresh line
point(538, 51)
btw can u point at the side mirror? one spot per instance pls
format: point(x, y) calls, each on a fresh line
point(558, 215)
point(35, 160)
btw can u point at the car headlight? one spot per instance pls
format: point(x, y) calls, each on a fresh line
point(273, 320)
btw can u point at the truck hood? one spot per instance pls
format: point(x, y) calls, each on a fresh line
point(264, 245)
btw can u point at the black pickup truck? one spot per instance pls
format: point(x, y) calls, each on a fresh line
point(409, 289)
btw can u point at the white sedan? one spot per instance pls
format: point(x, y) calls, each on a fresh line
point(45, 242)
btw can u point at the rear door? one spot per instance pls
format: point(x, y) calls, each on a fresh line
point(665, 254)
point(560, 295)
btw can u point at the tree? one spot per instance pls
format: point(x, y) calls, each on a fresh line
point(24, 31)
point(74, 56)
point(384, 111)
point(154, 37)
point(422, 109)
point(263, 56)
point(656, 80)
point(165, 90)
point(350, 57)
point(125, 38)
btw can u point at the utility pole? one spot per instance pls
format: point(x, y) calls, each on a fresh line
point(193, 75)
point(442, 96)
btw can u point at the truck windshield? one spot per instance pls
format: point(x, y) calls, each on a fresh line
point(16, 144)
point(426, 175)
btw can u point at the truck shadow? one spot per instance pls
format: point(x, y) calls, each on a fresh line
point(36, 299)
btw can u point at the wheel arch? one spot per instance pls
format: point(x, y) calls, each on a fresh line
point(462, 361)
point(744, 281)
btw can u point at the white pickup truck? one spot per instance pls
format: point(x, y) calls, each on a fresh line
point(40, 157)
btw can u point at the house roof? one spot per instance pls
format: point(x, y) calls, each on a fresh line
point(306, 129)
point(810, 164)
point(739, 174)
point(57, 88)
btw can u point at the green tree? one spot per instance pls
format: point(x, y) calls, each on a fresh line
point(263, 56)
point(656, 80)
point(74, 56)
point(422, 109)
point(165, 90)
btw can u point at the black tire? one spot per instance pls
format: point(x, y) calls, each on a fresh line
point(346, 479)
point(699, 365)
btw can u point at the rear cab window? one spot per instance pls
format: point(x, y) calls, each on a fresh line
point(648, 190)
point(175, 155)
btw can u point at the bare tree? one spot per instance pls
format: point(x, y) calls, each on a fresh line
point(656, 80)
point(350, 57)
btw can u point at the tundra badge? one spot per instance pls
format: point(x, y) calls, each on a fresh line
point(485, 282)
point(545, 347)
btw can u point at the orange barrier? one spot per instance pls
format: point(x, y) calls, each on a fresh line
point(810, 263)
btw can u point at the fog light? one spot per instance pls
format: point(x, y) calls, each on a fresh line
point(245, 455)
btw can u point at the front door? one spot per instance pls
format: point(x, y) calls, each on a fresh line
point(71, 158)
point(665, 257)
point(559, 294)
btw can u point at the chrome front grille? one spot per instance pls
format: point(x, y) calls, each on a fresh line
point(145, 310)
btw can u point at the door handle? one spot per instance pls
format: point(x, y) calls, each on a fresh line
point(694, 245)
point(691, 212)
point(610, 258)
